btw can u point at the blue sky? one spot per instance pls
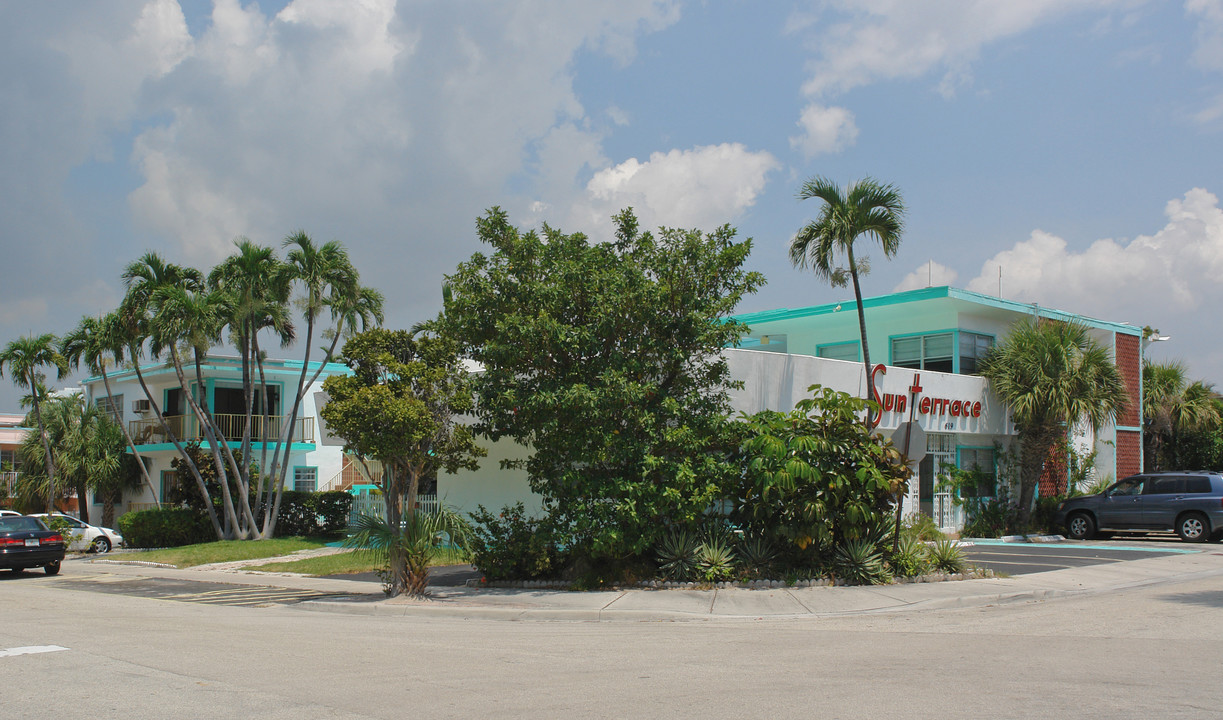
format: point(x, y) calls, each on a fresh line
point(1076, 144)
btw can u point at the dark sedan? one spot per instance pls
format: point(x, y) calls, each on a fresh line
point(26, 543)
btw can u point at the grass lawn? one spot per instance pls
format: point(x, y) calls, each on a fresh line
point(347, 563)
point(228, 550)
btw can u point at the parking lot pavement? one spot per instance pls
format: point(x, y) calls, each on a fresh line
point(1025, 558)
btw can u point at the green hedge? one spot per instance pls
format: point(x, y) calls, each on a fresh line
point(167, 527)
point(312, 514)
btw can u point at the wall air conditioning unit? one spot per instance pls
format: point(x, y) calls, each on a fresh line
point(140, 406)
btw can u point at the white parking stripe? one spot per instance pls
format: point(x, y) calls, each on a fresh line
point(31, 650)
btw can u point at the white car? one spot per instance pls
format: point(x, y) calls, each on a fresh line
point(86, 537)
point(9, 513)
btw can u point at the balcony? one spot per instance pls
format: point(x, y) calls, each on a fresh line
point(187, 429)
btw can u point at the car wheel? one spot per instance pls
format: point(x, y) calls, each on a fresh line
point(1080, 526)
point(100, 545)
point(1193, 527)
point(52, 568)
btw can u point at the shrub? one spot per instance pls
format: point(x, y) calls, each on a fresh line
point(757, 557)
point(911, 558)
point(859, 562)
point(993, 517)
point(678, 555)
point(816, 477)
point(311, 514)
point(947, 556)
point(512, 546)
point(716, 560)
point(166, 527)
point(921, 526)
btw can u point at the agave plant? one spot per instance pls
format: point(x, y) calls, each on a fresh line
point(407, 552)
point(756, 556)
point(716, 560)
point(947, 556)
point(677, 555)
point(859, 562)
point(911, 559)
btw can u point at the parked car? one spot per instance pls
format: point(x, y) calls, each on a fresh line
point(25, 542)
point(9, 513)
point(1189, 503)
point(85, 537)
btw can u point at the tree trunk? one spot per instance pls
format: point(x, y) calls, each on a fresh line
point(866, 354)
point(1034, 449)
point(182, 452)
point(144, 471)
point(46, 444)
point(392, 494)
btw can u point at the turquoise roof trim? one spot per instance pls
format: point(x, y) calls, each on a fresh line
point(935, 293)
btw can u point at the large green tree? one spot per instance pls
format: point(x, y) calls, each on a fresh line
point(605, 359)
point(866, 209)
point(399, 408)
point(1052, 376)
point(1172, 406)
point(25, 359)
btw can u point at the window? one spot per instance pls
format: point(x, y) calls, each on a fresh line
point(840, 351)
point(924, 352)
point(980, 461)
point(112, 406)
point(973, 347)
point(1166, 485)
point(305, 479)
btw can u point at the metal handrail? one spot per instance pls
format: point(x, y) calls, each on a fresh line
point(187, 428)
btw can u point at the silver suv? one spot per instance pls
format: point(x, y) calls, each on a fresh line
point(1190, 503)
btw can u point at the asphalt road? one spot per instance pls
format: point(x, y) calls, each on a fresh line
point(1024, 558)
point(1135, 653)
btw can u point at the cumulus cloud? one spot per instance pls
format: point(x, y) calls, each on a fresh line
point(703, 188)
point(1177, 269)
point(931, 274)
point(824, 130)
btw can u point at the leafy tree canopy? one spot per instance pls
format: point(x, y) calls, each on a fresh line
point(605, 359)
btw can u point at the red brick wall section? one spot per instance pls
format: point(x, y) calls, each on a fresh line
point(1130, 366)
point(1129, 453)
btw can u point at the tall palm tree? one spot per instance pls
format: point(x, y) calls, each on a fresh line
point(25, 357)
point(99, 343)
point(143, 279)
point(867, 208)
point(1171, 406)
point(328, 281)
point(257, 284)
point(1052, 376)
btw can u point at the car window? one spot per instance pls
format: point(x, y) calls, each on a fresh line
point(20, 524)
point(1169, 485)
point(1128, 486)
point(1197, 485)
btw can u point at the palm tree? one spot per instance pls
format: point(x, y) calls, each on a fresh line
point(99, 343)
point(1172, 406)
point(25, 357)
point(867, 208)
point(329, 282)
point(1052, 376)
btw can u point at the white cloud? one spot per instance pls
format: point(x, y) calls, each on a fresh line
point(699, 188)
point(1208, 36)
point(931, 274)
point(1145, 281)
point(824, 130)
point(858, 42)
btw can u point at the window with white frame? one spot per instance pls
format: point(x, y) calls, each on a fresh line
point(111, 406)
point(305, 479)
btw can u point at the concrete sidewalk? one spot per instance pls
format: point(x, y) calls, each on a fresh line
point(356, 597)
